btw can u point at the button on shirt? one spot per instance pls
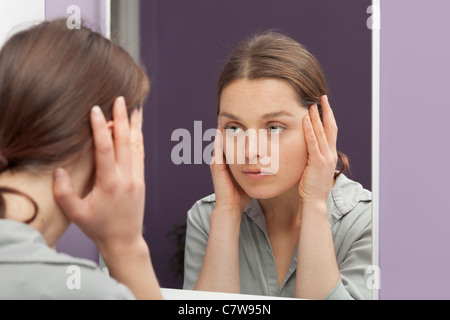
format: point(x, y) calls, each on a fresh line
point(30, 270)
point(350, 216)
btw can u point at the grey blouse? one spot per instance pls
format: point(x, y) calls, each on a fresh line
point(350, 217)
point(30, 270)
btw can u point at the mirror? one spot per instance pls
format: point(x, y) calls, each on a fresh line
point(185, 45)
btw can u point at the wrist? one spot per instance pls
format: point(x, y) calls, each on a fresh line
point(229, 213)
point(317, 208)
point(117, 250)
point(226, 219)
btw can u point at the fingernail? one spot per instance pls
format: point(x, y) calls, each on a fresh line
point(96, 111)
point(326, 98)
point(58, 174)
point(121, 101)
point(308, 120)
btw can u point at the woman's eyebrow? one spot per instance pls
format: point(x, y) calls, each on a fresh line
point(272, 115)
point(229, 115)
point(267, 116)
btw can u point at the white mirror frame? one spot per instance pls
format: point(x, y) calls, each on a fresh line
point(375, 145)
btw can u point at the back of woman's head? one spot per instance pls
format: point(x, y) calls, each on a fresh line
point(50, 78)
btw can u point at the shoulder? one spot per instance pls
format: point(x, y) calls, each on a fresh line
point(29, 269)
point(72, 280)
point(203, 207)
point(351, 223)
point(90, 283)
point(49, 281)
point(200, 212)
point(349, 201)
point(211, 199)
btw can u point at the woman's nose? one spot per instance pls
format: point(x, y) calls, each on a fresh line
point(256, 145)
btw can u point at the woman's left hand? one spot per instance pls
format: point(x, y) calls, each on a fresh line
point(318, 177)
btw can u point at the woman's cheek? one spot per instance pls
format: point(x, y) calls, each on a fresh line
point(234, 150)
point(292, 160)
point(229, 150)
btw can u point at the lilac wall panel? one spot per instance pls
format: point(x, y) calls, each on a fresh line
point(414, 150)
point(89, 9)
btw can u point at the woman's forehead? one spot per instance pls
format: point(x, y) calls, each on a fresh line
point(261, 98)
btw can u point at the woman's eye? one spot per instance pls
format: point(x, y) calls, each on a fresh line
point(234, 129)
point(275, 129)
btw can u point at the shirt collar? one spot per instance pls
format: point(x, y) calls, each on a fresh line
point(20, 243)
point(13, 232)
point(255, 212)
point(344, 197)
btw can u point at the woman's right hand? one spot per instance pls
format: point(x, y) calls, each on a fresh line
point(229, 195)
point(222, 252)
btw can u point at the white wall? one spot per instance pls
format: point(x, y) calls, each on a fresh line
point(16, 15)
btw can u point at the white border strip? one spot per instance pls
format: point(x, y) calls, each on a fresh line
point(105, 17)
point(376, 142)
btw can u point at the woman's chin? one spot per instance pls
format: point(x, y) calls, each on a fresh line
point(266, 187)
point(268, 190)
point(263, 193)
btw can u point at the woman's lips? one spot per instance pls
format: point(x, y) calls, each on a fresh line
point(257, 175)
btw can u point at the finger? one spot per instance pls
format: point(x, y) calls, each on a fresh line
point(122, 142)
point(310, 137)
point(65, 196)
point(329, 124)
point(137, 145)
point(218, 154)
point(104, 149)
point(318, 129)
point(219, 169)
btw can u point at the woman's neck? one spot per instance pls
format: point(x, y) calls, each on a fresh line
point(50, 221)
point(283, 210)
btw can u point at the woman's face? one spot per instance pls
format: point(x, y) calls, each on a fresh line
point(261, 123)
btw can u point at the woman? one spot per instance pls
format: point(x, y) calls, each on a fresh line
point(303, 230)
point(59, 163)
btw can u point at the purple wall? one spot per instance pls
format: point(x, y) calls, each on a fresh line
point(185, 45)
point(90, 10)
point(414, 150)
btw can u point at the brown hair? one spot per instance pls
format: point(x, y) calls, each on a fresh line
point(50, 78)
point(274, 55)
